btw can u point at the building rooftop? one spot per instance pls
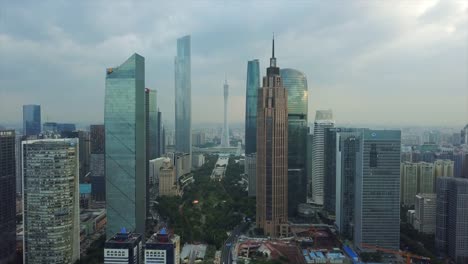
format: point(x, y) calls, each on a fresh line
point(123, 237)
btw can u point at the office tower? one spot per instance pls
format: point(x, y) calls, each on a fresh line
point(323, 120)
point(251, 170)
point(330, 162)
point(51, 201)
point(425, 177)
point(225, 136)
point(409, 183)
point(198, 138)
point(163, 140)
point(50, 127)
point(7, 196)
point(272, 153)
point(160, 140)
point(65, 127)
point(458, 161)
point(347, 149)
point(31, 120)
point(443, 168)
point(167, 179)
point(377, 196)
point(162, 248)
point(251, 94)
point(310, 139)
point(464, 135)
point(125, 150)
point(183, 97)
point(152, 124)
point(124, 248)
point(295, 83)
point(452, 218)
point(425, 213)
point(18, 157)
point(97, 162)
point(84, 156)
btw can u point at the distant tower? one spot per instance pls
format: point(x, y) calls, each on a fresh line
point(225, 138)
point(272, 153)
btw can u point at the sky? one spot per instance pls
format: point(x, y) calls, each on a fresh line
point(380, 62)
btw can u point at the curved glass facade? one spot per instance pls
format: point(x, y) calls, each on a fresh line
point(296, 84)
point(253, 84)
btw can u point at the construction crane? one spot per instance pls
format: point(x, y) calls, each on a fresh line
point(406, 255)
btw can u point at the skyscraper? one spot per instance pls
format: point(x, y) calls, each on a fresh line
point(7, 196)
point(425, 177)
point(125, 150)
point(329, 177)
point(377, 192)
point(347, 149)
point(160, 142)
point(272, 153)
point(295, 83)
point(452, 218)
point(51, 201)
point(252, 86)
point(97, 162)
point(152, 124)
point(183, 97)
point(31, 120)
point(225, 136)
point(323, 120)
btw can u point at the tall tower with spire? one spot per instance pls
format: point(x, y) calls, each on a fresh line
point(272, 153)
point(225, 137)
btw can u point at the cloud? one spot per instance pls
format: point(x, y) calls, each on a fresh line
point(373, 62)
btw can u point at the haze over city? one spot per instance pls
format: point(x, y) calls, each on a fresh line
point(396, 63)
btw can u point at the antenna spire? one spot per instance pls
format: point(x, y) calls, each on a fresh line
point(273, 46)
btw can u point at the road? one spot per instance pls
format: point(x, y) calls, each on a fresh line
point(226, 257)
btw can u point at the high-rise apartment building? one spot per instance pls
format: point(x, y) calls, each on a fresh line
point(225, 134)
point(31, 120)
point(452, 218)
point(272, 153)
point(443, 168)
point(425, 213)
point(251, 94)
point(323, 120)
point(125, 149)
point(183, 97)
point(124, 248)
point(162, 248)
point(295, 83)
point(198, 138)
point(51, 201)
point(97, 162)
point(425, 177)
point(7, 196)
point(409, 183)
point(377, 192)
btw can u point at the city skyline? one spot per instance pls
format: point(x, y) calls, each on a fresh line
point(396, 60)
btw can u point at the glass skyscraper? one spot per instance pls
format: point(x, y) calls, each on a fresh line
point(51, 201)
point(377, 189)
point(295, 83)
point(125, 149)
point(7, 196)
point(183, 97)
point(253, 84)
point(31, 120)
point(152, 123)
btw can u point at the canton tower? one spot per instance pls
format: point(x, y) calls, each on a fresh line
point(225, 137)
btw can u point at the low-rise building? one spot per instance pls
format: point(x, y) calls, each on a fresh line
point(163, 248)
point(124, 248)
